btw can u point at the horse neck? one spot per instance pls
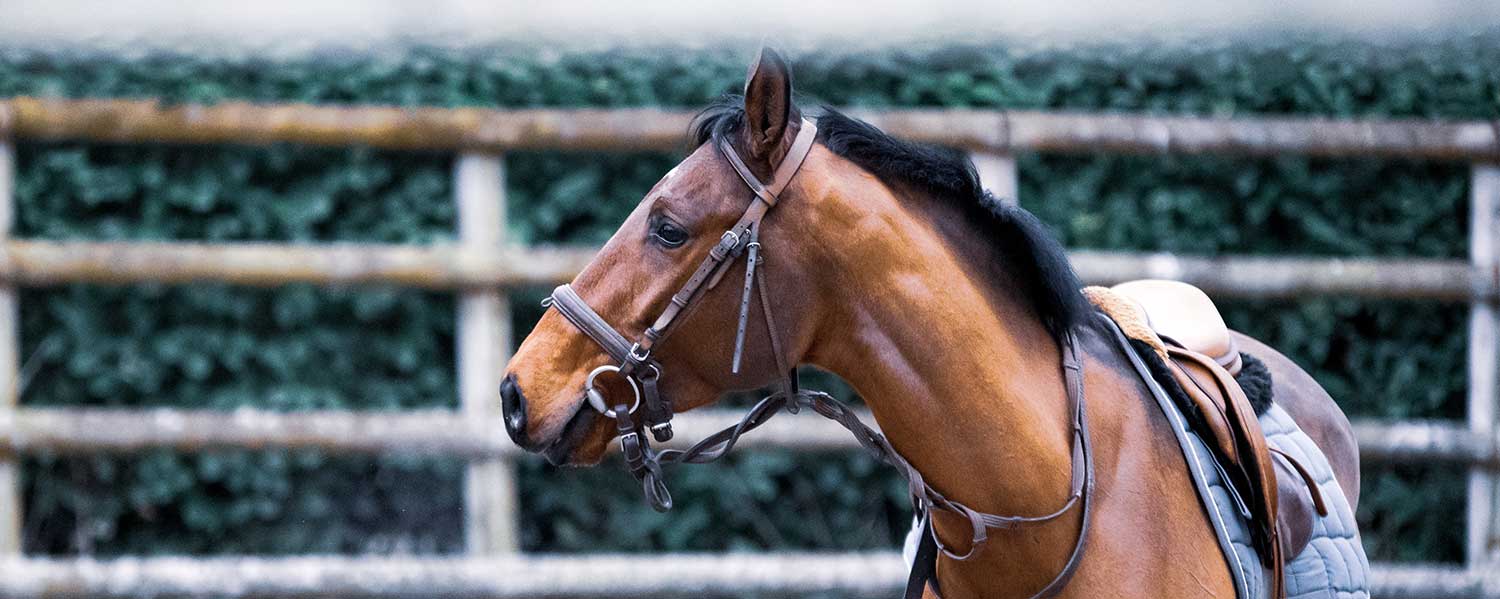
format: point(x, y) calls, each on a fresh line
point(958, 371)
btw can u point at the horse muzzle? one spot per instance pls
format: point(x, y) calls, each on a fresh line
point(513, 411)
point(562, 450)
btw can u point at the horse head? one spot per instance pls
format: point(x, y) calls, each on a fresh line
point(656, 252)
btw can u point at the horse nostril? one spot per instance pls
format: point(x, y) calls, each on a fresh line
point(513, 407)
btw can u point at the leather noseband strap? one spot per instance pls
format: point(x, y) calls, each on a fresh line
point(638, 366)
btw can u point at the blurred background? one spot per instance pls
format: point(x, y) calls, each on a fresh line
point(302, 347)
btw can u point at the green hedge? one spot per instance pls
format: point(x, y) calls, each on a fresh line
point(303, 348)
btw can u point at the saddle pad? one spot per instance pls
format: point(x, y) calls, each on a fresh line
point(1333, 565)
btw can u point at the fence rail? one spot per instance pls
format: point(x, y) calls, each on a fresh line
point(876, 574)
point(35, 263)
point(480, 265)
point(494, 130)
point(38, 263)
point(75, 431)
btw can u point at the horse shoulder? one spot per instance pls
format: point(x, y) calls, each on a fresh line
point(1152, 537)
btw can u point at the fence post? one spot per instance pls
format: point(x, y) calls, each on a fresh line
point(484, 342)
point(997, 172)
point(1484, 359)
point(10, 366)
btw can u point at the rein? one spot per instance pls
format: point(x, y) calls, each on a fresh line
point(642, 372)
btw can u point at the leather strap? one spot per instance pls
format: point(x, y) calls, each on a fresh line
point(751, 261)
point(578, 312)
point(1307, 479)
point(784, 172)
point(923, 564)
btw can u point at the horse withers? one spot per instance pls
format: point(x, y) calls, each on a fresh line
point(782, 241)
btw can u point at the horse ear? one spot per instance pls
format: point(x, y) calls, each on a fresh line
point(768, 102)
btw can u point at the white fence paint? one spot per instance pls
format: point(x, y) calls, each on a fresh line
point(997, 173)
point(10, 365)
point(484, 341)
point(1482, 546)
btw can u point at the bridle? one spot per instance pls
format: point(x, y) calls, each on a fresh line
point(649, 410)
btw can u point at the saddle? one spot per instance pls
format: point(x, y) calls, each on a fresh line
point(1184, 329)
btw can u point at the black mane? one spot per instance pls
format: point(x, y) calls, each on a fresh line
point(1024, 243)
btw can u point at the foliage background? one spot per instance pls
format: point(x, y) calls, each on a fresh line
point(303, 348)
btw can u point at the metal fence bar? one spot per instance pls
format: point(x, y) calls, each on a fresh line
point(795, 574)
point(997, 173)
point(1257, 277)
point(1484, 359)
point(32, 263)
point(10, 363)
point(497, 130)
point(82, 431)
point(484, 342)
point(85, 431)
point(1257, 136)
point(1425, 442)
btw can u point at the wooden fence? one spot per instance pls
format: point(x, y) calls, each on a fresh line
point(481, 265)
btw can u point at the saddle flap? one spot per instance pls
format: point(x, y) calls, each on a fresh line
point(1236, 435)
point(1283, 498)
point(1297, 507)
point(1198, 382)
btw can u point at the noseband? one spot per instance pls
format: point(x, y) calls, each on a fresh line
point(641, 371)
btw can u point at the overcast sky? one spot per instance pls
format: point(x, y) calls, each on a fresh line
point(300, 24)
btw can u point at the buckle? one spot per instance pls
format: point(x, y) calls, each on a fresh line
point(638, 353)
point(630, 447)
point(729, 239)
point(662, 431)
point(651, 373)
point(728, 243)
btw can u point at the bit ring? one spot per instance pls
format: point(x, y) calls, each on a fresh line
point(596, 398)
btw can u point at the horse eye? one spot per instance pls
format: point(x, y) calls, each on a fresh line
point(669, 235)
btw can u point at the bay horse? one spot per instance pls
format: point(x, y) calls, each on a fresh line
point(953, 315)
